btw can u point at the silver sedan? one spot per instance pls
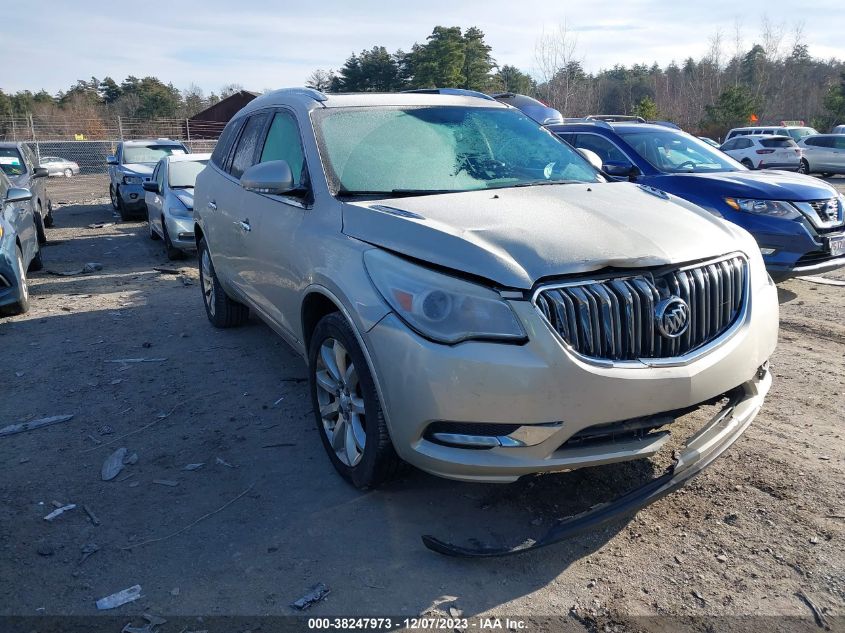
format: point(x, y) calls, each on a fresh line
point(57, 166)
point(170, 201)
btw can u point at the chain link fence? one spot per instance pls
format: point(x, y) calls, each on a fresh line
point(74, 149)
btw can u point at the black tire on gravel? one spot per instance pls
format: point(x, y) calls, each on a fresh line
point(804, 167)
point(37, 263)
point(39, 226)
point(173, 253)
point(222, 310)
point(379, 462)
point(22, 304)
point(114, 199)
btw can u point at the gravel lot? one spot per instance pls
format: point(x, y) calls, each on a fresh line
point(762, 525)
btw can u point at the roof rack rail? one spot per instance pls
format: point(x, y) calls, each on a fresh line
point(458, 92)
point(316, 95)
point(585, 119)
point(615, 118)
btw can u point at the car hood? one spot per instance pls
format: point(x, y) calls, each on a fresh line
point(763, 185)
point(515, 237)
point(138, 169)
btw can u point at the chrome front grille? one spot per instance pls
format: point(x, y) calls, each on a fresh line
point(615, 318)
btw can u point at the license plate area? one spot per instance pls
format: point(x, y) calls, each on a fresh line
point(837, 245)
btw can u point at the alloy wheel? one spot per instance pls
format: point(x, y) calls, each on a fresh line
point(207, 274)
point(341, 402)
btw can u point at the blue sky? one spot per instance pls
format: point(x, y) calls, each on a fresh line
point(262, 44)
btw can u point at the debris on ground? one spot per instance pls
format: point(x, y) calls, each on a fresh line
point(105, 429)
point(222, 462)
point(315, 594)
point(45, 549)
point(59, 511)
point(113, 464)
point(166, 482)
point(93, 517)
point(100, 225)
point(120, 598)
point(822, 280)
point(131, 460)
point(90, 267)
point(196, 466)
point(167, 271)
point(12, 429)
point(818, 614)
point(88, 550)
point(152, 622)
point(127, 361)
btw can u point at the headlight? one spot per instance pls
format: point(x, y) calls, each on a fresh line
point(180, 211)
point(440, 307)
point(774, 208)
point(132, 180)
point(1, 232)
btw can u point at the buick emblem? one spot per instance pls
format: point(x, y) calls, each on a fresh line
point(672, 317)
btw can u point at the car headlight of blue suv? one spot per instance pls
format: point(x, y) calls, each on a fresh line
point(441, 308)
point(774, 208)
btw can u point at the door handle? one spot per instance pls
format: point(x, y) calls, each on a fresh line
point(244, 224)
point(212, 205)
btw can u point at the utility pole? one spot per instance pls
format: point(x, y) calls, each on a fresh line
point(34, 139)
point(120, 127)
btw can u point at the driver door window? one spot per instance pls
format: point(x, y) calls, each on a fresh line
point(607, 151)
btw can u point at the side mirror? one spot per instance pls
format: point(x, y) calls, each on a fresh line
point(593, 158)
point(273, 177)
point(150, 185)
point(621, 169)
point(40, 172)
point(18, 194)
point(111, 160)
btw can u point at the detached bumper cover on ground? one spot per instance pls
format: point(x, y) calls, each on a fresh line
point(700, 451)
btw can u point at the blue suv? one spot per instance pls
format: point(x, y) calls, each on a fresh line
point(798, 221)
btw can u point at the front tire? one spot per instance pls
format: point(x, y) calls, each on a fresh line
point(114, 198)
point(173, 253)
point(21, 306)
point(68, 173)
point(747, 163)
point(222, 310)
point(804, 167)
point(347, 409)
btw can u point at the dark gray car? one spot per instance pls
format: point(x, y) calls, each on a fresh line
point(132, 165)
point(19, 247)
point(19, 163)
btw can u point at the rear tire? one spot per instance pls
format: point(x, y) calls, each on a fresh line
point(39, 226)
point(747, 163)
point(37, 263)
point(68, 173)
point(222, 311)
point(346, 406)
point(804, 167)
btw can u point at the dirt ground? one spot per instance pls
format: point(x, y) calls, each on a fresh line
point(764, 524)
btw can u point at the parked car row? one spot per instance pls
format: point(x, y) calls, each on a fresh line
point(419, 248)
point(20, 249)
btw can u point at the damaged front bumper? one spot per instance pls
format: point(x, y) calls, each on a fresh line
point(699, 451)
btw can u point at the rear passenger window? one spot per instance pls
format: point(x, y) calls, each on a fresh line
point(247, 149)
point(224, 143)
point(839, 143)
point(283, 143)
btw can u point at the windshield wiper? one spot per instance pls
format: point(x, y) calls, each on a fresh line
point(181, 186)
point(398, 193)
point(538, 183)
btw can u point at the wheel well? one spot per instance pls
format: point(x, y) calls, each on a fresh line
point(314, 308)
point(197, 234)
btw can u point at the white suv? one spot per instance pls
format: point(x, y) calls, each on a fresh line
point(471, 296)
point(795, 132)
point(764, 151)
